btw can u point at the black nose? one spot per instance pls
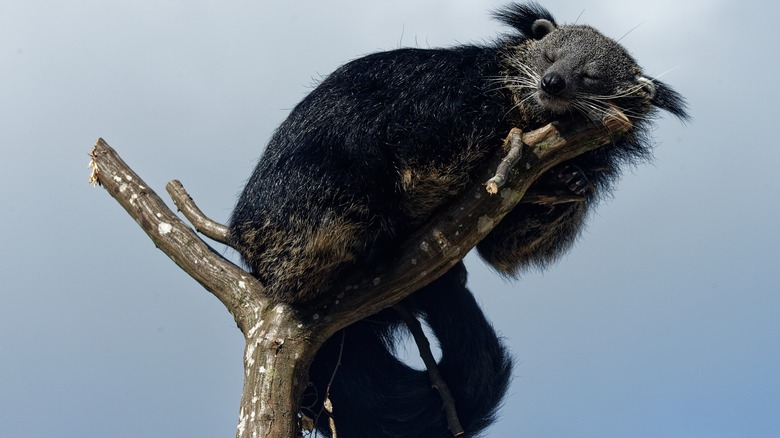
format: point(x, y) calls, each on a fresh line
point(553, 83)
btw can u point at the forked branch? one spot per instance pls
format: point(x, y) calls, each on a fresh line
point(281, 341)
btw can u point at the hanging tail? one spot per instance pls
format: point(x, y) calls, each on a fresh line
point(374, 395)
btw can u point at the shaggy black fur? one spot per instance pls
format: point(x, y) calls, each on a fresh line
point(366, 157)
point(384, 141)
point(388, 139)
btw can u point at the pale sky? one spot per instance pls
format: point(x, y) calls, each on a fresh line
point(663, 321)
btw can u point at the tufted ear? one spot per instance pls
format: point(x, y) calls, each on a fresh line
point(663, 97)
point(531, 19)
point(542, 27)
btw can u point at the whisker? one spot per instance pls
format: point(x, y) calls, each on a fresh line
point(579, 16)
point(629, 31)
point(663, 73)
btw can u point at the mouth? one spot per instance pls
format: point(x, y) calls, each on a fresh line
point(552, 103)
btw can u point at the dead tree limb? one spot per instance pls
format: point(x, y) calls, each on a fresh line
point(208, 227)
point(451, 234)
point(171, 235)
point(282, 341)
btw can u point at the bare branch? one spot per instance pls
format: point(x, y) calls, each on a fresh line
point(437, 381)
point(452, 233)
point(514, 146)
point(228, 282)
point(281, 341)
point(208, 227)
point(278, 350)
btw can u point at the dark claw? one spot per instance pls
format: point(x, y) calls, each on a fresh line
point(574, 178)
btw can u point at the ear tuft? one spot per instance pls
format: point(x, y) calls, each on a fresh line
point(665, 98)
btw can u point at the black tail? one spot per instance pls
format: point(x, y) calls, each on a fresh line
point(375, 395)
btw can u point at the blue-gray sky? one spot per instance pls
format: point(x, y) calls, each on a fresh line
point(664, 321)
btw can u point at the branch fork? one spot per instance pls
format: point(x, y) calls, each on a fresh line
point(281, 341)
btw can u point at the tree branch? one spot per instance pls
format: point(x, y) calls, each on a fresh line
point(280, 340)
point(208, 227)
point(514, 147)
point(451, 234)
point(233, 286)
point(278, 350)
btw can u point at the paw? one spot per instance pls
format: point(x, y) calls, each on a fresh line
point(574, 178)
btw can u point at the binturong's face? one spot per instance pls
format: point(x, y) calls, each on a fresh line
point(566, 69)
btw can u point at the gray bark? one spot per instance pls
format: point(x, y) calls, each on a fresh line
point(281, 342)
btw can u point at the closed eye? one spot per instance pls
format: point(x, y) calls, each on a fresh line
point(590, 73)
point(590, 77)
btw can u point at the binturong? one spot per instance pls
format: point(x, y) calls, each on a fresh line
point(382, 144)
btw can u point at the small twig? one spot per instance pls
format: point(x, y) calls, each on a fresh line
point(328, 405)
point(437, 381)
point(206, 226)
point(514, 142)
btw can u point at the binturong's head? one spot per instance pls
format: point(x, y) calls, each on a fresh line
point(556, 70)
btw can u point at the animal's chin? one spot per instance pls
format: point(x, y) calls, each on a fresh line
point(553, 104)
